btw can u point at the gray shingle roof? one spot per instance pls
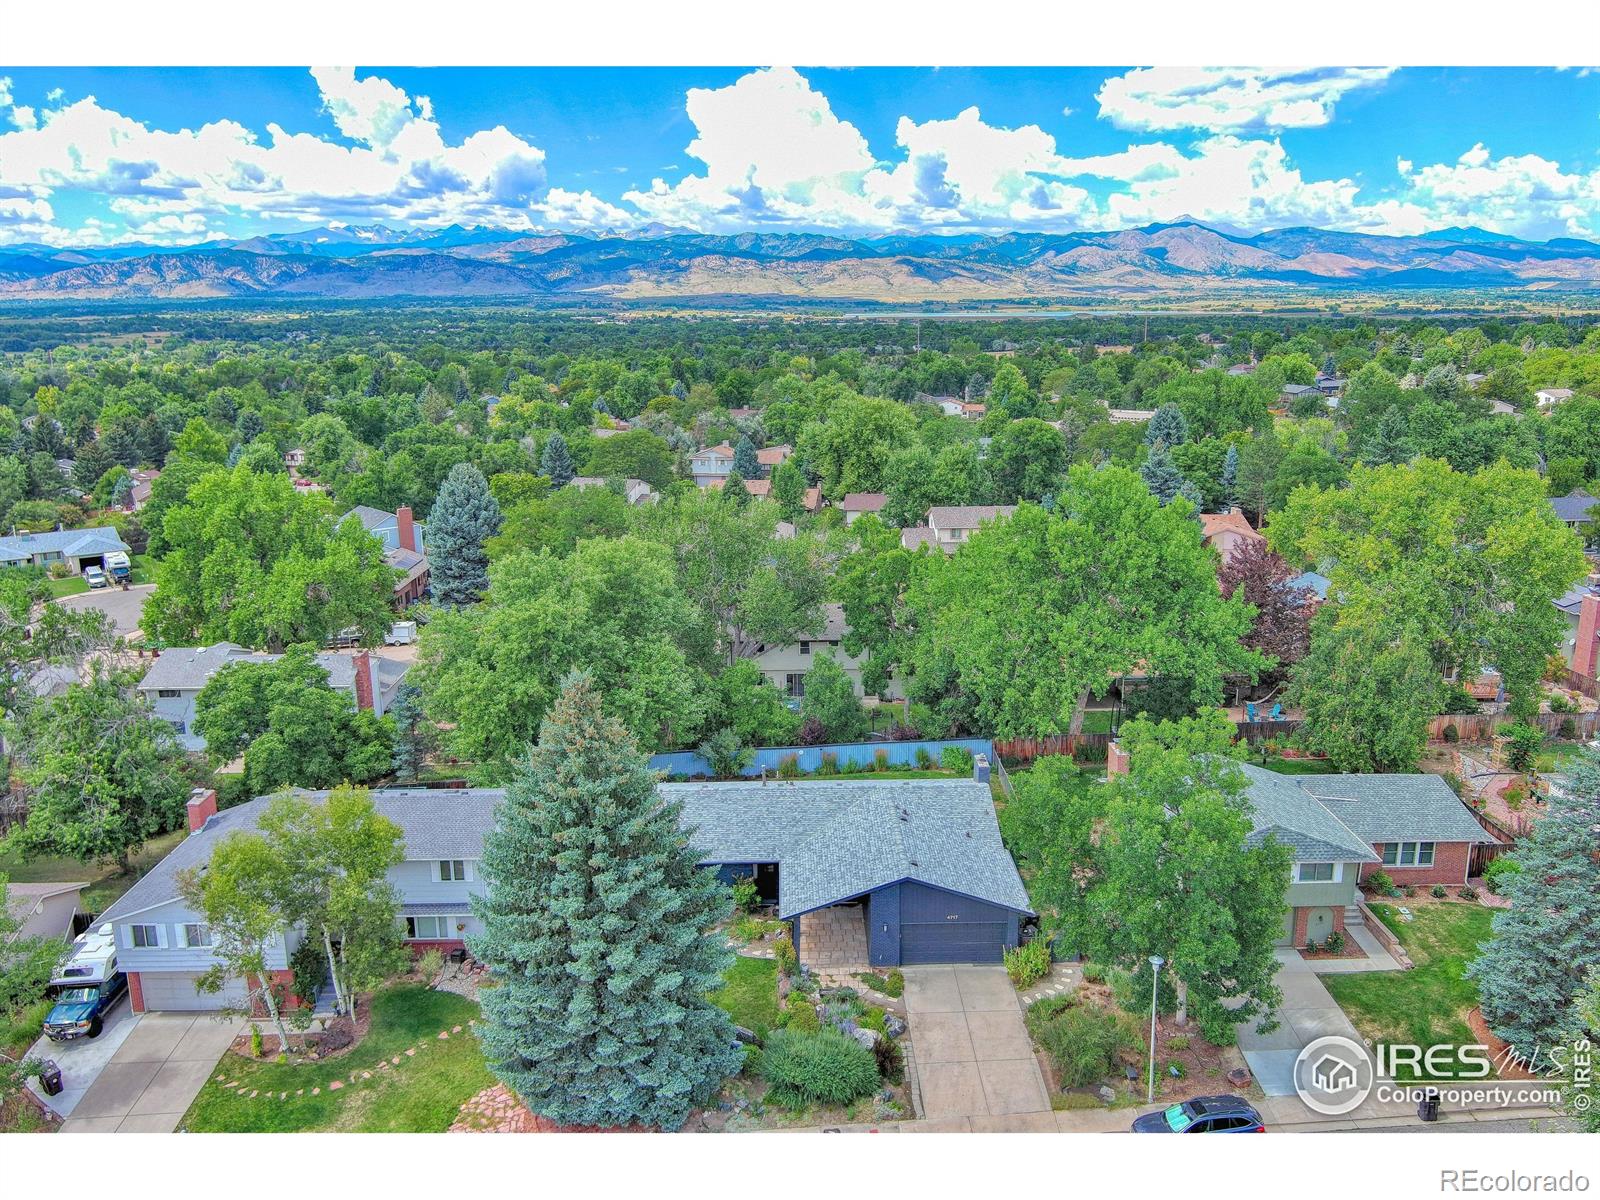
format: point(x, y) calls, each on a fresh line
point(73, 543)
point(1574, 506)
point(967, 516)
point(1281, 807)
point(1390, 808)
point(437, 823)
point(834, 840)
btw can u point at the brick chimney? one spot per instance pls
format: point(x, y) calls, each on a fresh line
point(363, 667)
point(202, 807)
point(1587, 650)
point(406, 531)
point(1116, 759)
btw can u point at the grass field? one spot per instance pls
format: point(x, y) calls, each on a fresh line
point(106, 882)
point(422, 1094)
point(1429, 1005)
point(750, 994)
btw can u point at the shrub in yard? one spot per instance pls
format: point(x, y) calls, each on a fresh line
point(789, 767)
point(429, 964)
point(812, 732)
point(745, 895)
point(957, 759)
point(880, 760)
point(874, 1019)
point(1452, 734)
point(799, 1015)
point(255, 1041)
point(1569, 728)
point(1380, 883)
point(1335, 943)
point(1029, 963)
point(309, 967)
point(830, 764)
point(890, 1059)
point(824, 1067)
point(902, 733)
point(1467, 892)
point(1094, 973)
point(1407, 890)
point(1178, 1043)
point(1523, 743)
point(924, 759)
point(896, 982)
point(1437, 891)
point(783, 951)
point(1494, 874)
point(1083, 1042)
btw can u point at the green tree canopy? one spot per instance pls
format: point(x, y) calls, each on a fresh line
point(1116, 582)
point(251, 560)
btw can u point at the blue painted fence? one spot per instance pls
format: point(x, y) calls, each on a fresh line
point(682, 764)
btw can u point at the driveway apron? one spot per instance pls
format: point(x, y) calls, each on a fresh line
point(154, 1075)
point(973, 1055)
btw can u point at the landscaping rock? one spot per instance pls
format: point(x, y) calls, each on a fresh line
point(867, 1037)
point(745, 1036)
point(1106, 1094)
point(895, 1026)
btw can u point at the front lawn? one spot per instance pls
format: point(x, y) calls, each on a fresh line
point(1426, 1006)
point(106, 882)
point(749, 994)
point(421, 1094)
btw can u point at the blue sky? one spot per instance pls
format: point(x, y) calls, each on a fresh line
point(181, 155)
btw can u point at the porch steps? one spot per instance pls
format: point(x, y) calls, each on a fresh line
point(1352, 915)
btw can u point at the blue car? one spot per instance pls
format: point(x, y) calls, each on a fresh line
point(1203, 1114)
point(81, 1009)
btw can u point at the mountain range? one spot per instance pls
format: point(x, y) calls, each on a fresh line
point(1185, 256)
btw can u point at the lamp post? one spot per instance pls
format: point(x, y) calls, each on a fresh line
point(1156, 963)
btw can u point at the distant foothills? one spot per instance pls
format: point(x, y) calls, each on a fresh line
point(370, 262)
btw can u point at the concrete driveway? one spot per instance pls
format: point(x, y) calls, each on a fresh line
point(1307, 1013)
point(155, 1074)
point(82, 1059)
point(123, 607)
point(973, 1056)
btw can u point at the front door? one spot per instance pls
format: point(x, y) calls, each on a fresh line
point(1319, 924)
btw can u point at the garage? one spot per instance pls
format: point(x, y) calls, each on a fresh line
point(175, 991)
point(937, 926)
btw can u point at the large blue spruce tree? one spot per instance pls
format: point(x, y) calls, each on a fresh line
point(556, 461)
point(464, 517)
point(597, 926)
point(1531, 974)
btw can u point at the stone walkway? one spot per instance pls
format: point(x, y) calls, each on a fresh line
point(834, 939)
point(1064, 977)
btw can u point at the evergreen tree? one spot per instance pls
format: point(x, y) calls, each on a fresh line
point(413, 734)
point(1388, 445)
point(734, 490)
point(745, 461)
point(1230, 477)
point(1533, 971)
point(464, 517)
point(597, 923)
point(1161, 475)
point(789, 490)
point(121, 442)
point(555, 461)
point(1168, 426)
point(92, 462)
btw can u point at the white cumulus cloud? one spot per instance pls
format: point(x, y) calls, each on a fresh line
point(1231, 99)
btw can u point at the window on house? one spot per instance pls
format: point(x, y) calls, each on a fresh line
point(1316, 872)
point(452, 870)
point(1408, 854)
point(1424, 854)
point(1391, 853)
point(430, 929)
point(805, 647)
point(146, 937)
point(179, 726)
point(168, 693)
point(795, 685)
point(196, 935)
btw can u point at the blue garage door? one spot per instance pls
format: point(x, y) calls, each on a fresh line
point(941, 927)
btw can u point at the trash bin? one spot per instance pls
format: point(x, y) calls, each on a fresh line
point(50, 1077)
point(1428, 1106)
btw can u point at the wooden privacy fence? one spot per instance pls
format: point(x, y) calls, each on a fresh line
point(1480, 727)
point(1075, 744)
point(1582, 684)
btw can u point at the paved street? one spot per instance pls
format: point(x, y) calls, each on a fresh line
point(154, 1075)
point(974, 1060)
point(124, 607)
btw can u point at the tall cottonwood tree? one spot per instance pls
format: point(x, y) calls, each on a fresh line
point(597, 924)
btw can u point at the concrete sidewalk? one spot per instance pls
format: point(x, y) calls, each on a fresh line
point(1306, 1014)
point(154, 1075)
